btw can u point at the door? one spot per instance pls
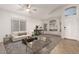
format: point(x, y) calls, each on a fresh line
point(70, 17)
point(69, 26)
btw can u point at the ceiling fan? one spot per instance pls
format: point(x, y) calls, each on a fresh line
point(27, 7)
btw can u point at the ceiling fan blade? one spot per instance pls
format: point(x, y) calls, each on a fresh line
point(20, 9)
point(34, 9)
point(28, 6)
point(22, 5)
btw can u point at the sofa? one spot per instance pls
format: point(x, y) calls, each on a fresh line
point(13, 43)
point(19, 35)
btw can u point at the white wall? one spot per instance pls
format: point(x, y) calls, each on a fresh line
point(5, 22)
point(74, 30)
point(31, 23)
point(74, 23)
point(54, 15)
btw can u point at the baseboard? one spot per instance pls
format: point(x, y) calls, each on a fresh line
point(53, 35)
point(71, 38)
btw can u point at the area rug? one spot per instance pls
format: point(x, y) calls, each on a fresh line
point(41, 47)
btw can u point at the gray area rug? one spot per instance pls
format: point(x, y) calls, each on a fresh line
point(19, 48)
point(54, 41)
point(2, 48)
point(15, 48)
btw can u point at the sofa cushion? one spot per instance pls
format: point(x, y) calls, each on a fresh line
point(24, 33)
point(18, 35)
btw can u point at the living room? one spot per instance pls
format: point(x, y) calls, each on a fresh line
point(28, 19)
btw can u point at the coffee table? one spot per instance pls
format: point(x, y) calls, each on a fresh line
point(37, 45)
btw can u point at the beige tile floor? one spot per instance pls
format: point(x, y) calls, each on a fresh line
point(67, 46)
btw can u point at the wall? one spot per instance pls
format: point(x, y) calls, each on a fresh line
point(54, 15)
point(74, 23)
point(31, 23)
point(5, 22)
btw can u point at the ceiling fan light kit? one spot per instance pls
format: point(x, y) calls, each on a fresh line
point(27, 7)
point(28, 10)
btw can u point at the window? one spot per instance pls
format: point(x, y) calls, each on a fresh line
point(14, 25)
point(70, 11)
point(45, 27)
point(18, 25)
point(22, 25)
point(53, 25)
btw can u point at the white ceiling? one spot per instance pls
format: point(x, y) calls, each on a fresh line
point(42, 10)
